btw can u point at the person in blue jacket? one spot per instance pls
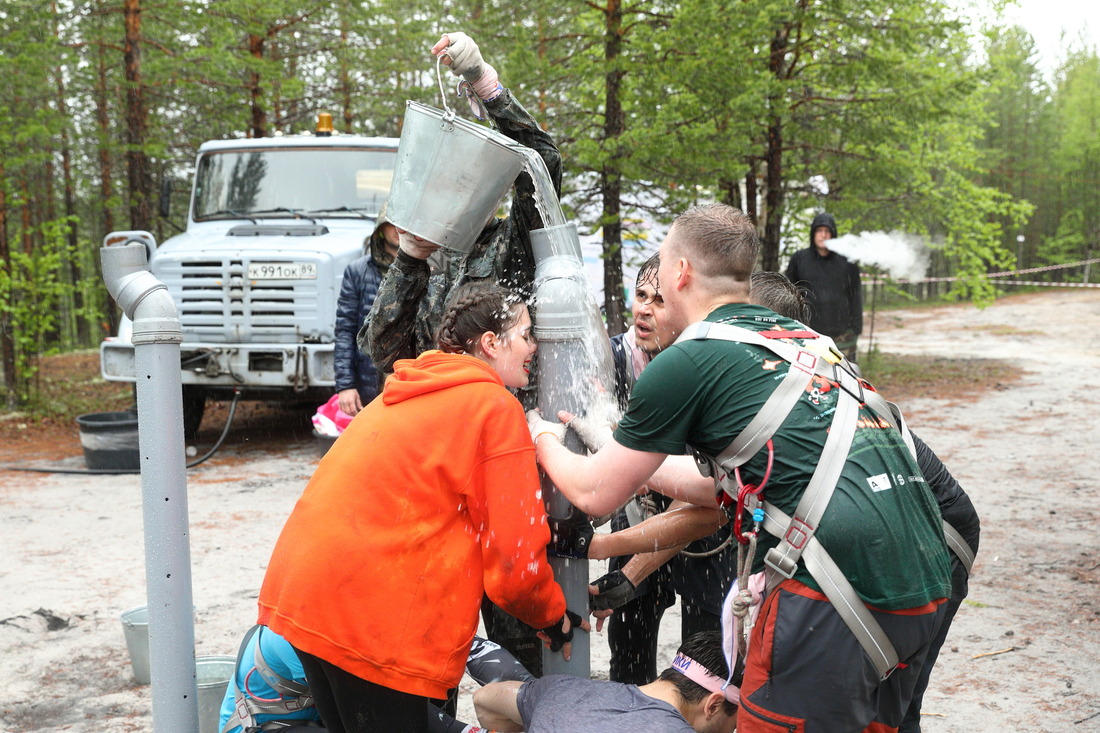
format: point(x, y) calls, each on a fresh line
point(357, 379)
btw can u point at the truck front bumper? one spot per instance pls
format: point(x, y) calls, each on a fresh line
point(269, 366)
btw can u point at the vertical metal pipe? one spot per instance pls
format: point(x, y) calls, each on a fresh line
point(157, 338)
point(574, 366)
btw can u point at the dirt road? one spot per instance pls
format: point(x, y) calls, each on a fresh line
point(1024, 653)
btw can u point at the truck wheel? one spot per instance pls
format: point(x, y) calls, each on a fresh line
point(194, 403)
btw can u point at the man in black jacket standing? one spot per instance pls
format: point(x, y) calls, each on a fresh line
point(832, 284)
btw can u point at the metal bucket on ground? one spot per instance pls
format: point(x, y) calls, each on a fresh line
point(135, 627)
point(110, 441)
point(212, 675)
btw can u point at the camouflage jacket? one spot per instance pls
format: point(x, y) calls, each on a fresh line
point(411, 299)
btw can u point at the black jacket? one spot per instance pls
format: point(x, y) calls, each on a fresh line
point(834, 293)
point(357, 293)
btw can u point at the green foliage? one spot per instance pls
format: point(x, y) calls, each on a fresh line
point(655, 104)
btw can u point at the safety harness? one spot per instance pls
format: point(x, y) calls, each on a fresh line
point(817, 358)
point(293, 696)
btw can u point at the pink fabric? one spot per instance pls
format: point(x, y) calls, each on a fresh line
point(706, 679)
point(637, 357)
point(330, 419)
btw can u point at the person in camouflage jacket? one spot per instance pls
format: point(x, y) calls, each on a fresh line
point(411, 298)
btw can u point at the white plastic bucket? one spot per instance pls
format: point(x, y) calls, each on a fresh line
point(212, 675)
point(135, 627)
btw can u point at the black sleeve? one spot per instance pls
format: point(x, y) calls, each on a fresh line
point(855, 301)
point(955, 505)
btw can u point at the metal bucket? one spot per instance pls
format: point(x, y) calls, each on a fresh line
point(212, 675)
point(135, 627)
point(450, 176)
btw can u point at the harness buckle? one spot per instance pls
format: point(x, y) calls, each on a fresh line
point(839, 374)
point(781, 564)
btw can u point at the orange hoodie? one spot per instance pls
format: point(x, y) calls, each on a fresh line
point(428, 499)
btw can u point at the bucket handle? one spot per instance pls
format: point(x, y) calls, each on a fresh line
point(464, 89)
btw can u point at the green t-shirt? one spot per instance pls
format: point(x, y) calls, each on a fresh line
point(882, 526)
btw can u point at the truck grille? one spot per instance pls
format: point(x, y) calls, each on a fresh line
point(218, 303)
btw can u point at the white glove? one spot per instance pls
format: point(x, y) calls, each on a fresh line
point(593, 431)
point(465, 60)
point(540, 426)
point(594, 428)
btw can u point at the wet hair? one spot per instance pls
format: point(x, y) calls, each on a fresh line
point(474, 309)
point(648, 271)
point(705, 647)
point(722, 240)
point(774, 291)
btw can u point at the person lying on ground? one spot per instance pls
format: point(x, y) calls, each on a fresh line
point(695, 693)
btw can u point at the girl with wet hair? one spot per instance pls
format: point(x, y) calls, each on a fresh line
point(426, 502)
point(476, 309)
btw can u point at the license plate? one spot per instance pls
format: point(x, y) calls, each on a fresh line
point(282, 271)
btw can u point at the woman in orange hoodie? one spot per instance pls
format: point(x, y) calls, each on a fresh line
point(428, 500)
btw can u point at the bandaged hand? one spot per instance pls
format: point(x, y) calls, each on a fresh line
point(538, 425)
point(461, 54)
point(414, 246)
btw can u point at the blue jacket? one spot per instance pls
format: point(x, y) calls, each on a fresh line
point(357, 293)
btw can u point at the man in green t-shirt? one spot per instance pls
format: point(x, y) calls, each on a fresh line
point(881, 525)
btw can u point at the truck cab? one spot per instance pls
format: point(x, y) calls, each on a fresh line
point(272, 224)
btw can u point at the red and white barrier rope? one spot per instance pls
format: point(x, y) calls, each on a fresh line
point(876, 280)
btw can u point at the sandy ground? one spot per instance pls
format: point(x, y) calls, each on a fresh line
point(1022, 655)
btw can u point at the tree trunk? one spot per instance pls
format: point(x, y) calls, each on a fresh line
point(258, 126)
point(7, 337)
point(137, 120)
point(106, 173)
point(773, 157)
point(611, 175)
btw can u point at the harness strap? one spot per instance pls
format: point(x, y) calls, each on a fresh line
point(783, 558)
point(958, 545)
point(840, 593)
point(778, 405)
point(294, 696)
point(797, 534)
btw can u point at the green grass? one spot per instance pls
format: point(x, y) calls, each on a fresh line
point(914, 376)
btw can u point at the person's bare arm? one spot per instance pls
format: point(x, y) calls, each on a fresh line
point(672, 529)
point(496, 706)
point(679, 478)
point(600, 483)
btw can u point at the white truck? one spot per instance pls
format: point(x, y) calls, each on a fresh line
point(272, 224)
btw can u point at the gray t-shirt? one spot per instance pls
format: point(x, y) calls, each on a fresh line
point(562, 703)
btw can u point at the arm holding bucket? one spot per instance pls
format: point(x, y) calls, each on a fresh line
point(394, 329)
point(410, 300)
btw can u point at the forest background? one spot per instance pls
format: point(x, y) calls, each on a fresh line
point(904, 115)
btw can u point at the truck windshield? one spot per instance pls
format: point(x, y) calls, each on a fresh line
point(331, 182)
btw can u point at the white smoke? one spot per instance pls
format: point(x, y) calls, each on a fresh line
point(903, 256)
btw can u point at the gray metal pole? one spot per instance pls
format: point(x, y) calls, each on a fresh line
point(574, 364)
point(157, 338)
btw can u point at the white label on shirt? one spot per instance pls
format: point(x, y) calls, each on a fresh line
point(880, 482)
